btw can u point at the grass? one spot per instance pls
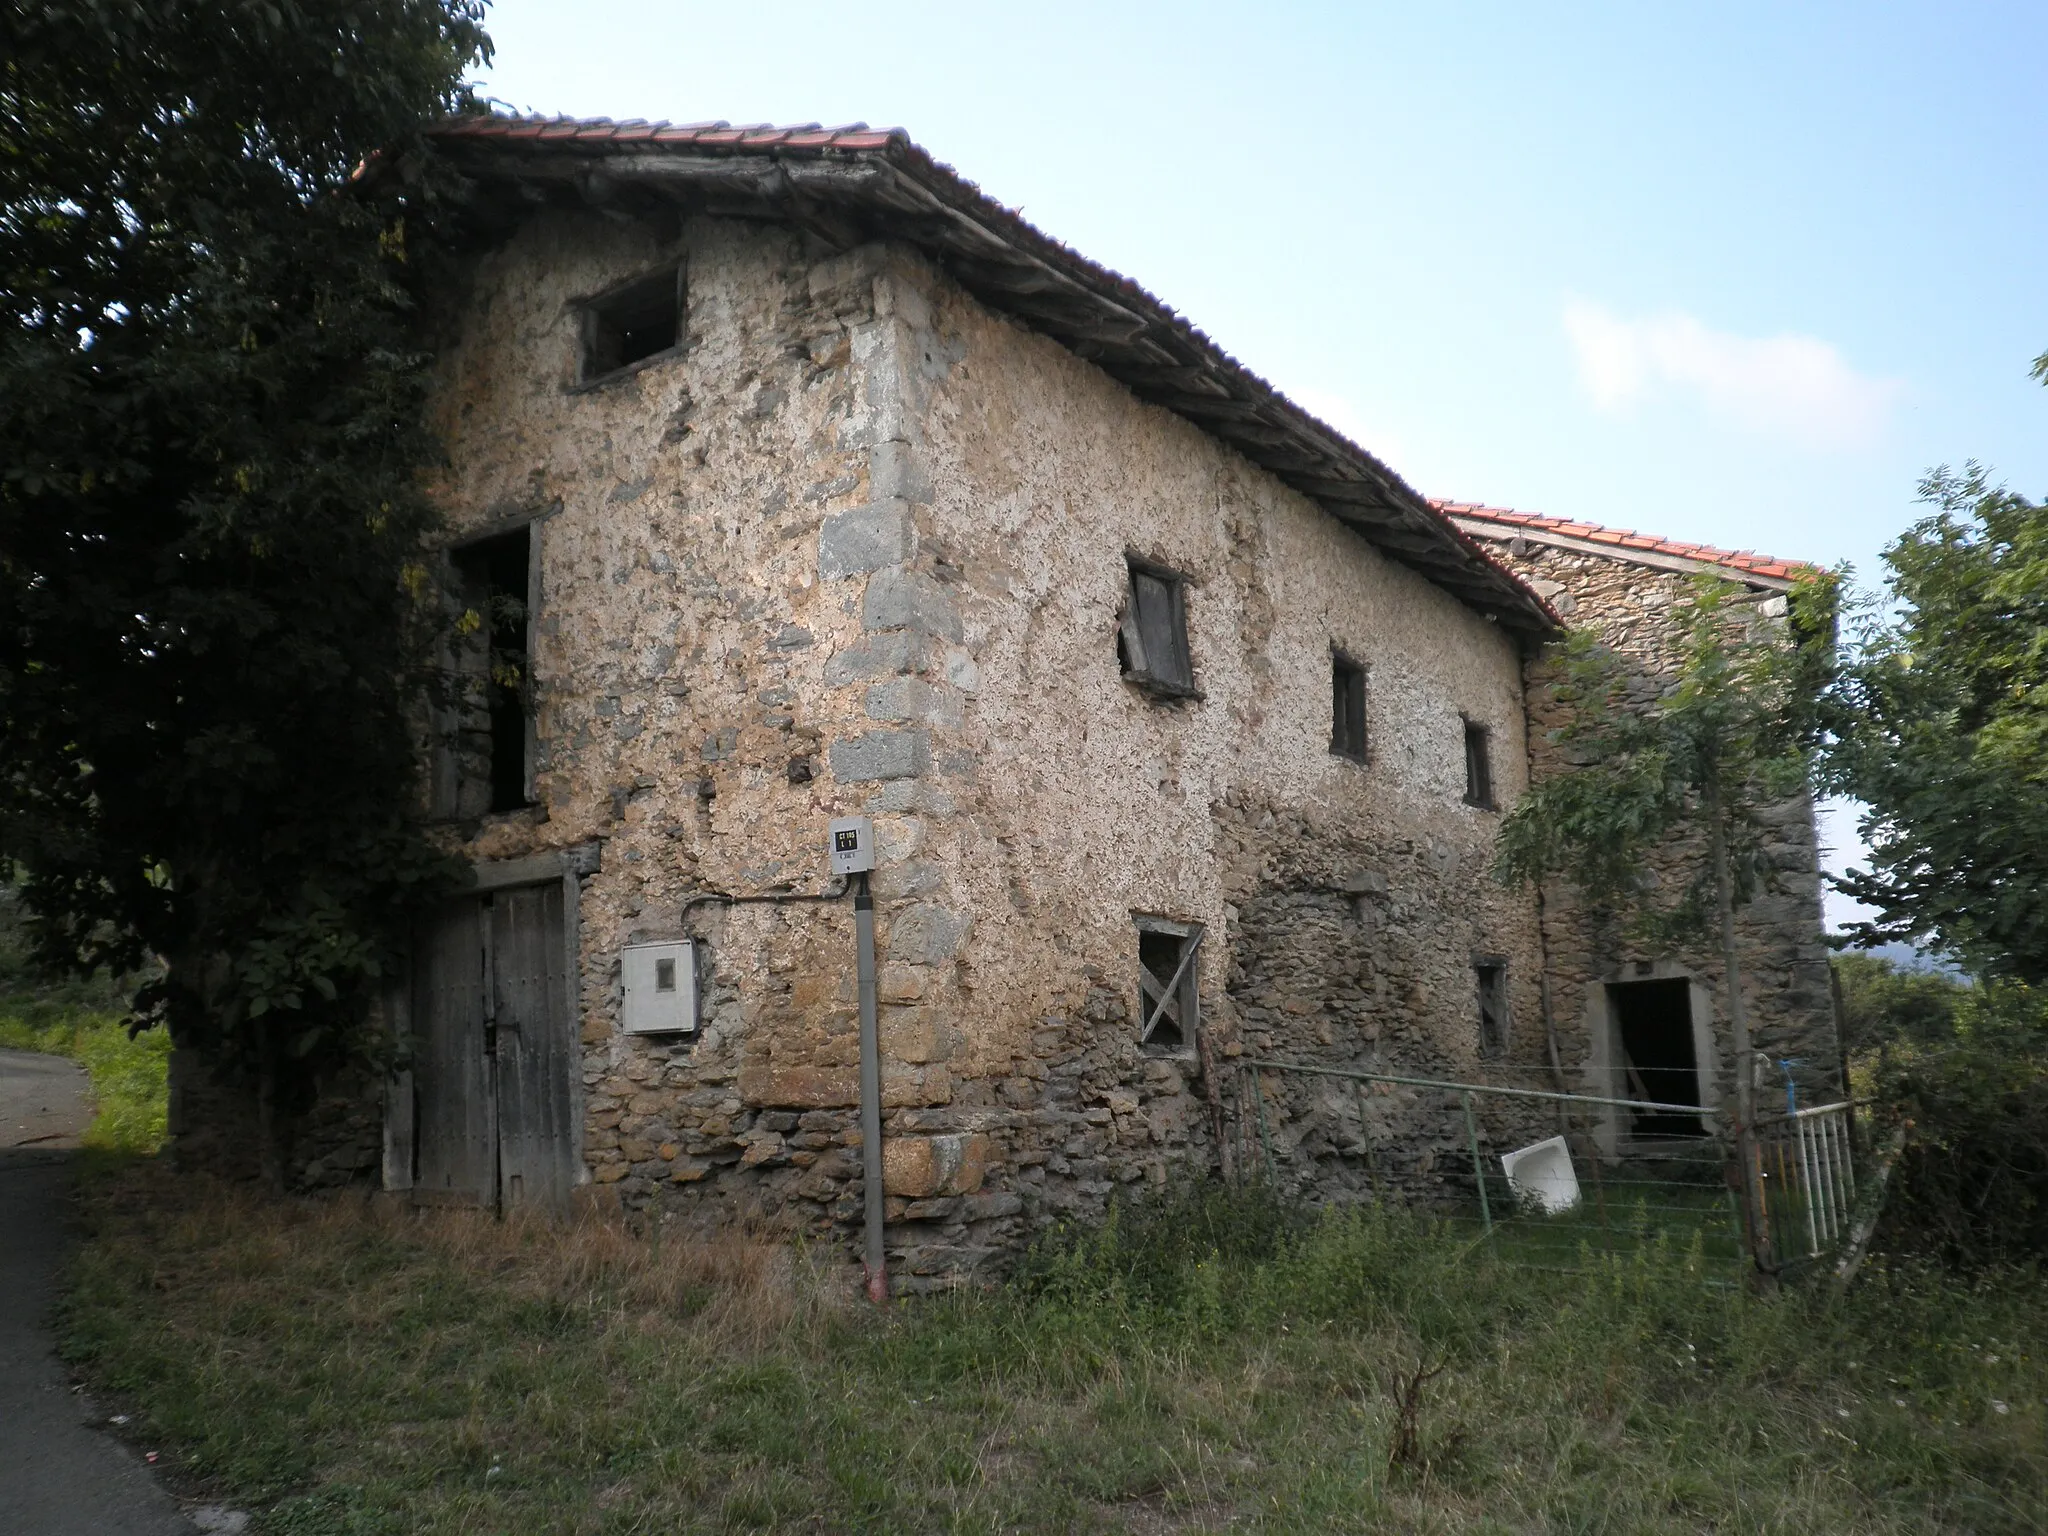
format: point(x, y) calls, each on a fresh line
point(344, 1366)
point(82, 1020)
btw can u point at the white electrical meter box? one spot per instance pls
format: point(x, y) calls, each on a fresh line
point(660, 987)
point(853, 845)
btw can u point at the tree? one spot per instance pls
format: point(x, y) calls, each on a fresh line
point(1695, 751)
point(1941, 730)
point(210, 514)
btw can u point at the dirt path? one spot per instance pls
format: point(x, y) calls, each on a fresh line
point(58, 1475)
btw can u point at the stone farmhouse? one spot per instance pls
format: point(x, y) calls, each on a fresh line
point(789, 478)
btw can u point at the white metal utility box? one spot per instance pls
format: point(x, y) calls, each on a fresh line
point(660, 987)
point(852, 845)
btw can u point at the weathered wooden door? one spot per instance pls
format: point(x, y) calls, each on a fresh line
point(493, 1062)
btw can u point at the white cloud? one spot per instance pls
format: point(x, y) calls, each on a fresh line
point(1793, 386)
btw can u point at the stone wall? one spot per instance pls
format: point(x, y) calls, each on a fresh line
point(220, 1123)
point(861, 547)
point(1779, 934)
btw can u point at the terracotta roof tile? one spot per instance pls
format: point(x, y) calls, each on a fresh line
point(1706, 554)
point(599, 130)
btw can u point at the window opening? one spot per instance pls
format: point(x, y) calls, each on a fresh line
point(495, 579)
point(1153, 640)
point(1654, 1021)
point(664, 975)
point(1168, 995)
point(1478, 766)
point(634, 323)
point(1492, 979)
point(1347, 707)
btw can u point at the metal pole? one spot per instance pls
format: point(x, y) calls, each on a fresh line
point(1478, 1168)
point(876, 1253)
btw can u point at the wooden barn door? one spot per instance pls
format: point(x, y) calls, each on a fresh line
point(535, 1046)
point(494, 1055)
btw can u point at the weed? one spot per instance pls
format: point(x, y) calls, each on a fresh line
point(1214, 1360)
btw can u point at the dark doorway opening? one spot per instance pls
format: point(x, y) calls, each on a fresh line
point(1654, 1021)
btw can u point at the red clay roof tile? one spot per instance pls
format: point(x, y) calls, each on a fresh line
point(1706, 554)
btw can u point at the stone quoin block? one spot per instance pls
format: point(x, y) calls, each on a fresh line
point(898, 599)
point(881, 755)
point(869, 538)
point(920, 1167)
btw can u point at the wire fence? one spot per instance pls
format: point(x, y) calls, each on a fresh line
point(1555, 1181)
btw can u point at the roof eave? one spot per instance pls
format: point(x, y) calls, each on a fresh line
point(848, 187)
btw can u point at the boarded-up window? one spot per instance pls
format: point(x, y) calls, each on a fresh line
point(1153, 639)
point(1169, 996)
point(1478, 766)
point(1347, 707)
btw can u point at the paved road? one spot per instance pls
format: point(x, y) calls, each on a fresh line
point(58, 1475)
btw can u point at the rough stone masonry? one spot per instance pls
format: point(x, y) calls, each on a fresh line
point(861, 542)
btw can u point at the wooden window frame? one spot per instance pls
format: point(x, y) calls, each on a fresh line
point(1187, 1000)
point(1479, 764)
point(1496, 1023)
point(446, 788)
point(605, 319)
point(1349, 692)
point(1167, 677)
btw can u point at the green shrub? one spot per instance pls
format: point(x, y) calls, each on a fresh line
point(1971, 1186)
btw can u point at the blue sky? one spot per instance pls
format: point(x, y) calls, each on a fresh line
point(1737, 273)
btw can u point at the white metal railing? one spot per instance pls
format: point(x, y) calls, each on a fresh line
point(1809, 1179)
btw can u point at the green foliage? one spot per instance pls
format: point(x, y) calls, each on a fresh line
point(130, 1074)
point(1941, 723)
point(82, 1018)
point(1884, 1005)
point(341, 1369)
point(1965, 1067)
point(210, 443)
point(1726, 730)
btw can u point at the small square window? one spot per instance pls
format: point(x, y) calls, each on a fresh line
point(1153, 638)
point(1492, 977)
point(1169, 999)
point(1478, 766)
point(664, 975)
point(629, 325)
point(1347, 707)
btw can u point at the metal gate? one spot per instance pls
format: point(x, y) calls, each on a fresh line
point(494, 1052)
point(1629, 1190)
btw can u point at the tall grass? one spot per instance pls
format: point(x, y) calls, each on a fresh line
point(82, 1020)
point(1213, 1361)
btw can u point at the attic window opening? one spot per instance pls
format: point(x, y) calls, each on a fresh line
point(629, 325)
point(1152, 641)
point(496, 580)
point(1169, 998)
point(1347, 707)
point(1478, 766)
